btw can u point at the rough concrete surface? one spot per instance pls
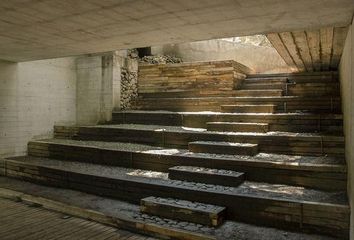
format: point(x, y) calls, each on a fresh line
point(34, 29)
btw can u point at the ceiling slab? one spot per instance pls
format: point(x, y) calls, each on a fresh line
point(40, 29)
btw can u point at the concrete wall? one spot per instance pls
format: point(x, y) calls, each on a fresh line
point(98, 87)
point(346, 70)
point(33, 97)
point(261, 59)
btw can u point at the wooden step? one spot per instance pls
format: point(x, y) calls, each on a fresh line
point(260, 86)
point(284, 122)
point(250, 204)
point(237, 127)
point(277, 142)
point(258, 93)
point(249, 108)
point(228, 148)
point(206, 175)
point(182, 210)
point(265, 81)
point(318, 172)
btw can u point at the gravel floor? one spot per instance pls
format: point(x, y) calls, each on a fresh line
point(279, 158)
point(278, 191)
point(111, 207)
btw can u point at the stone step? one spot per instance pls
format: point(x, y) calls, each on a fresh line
point(326, 212)
point(228, 148)
point(237, 127)
point(316, 172)
point(258, 93)
point(206, 175)
point(182, 210)
point(248, 108)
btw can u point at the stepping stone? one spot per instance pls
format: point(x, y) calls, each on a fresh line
point(229, 148)
point(183, 210)
point(237, 127)
point(259, 108)
point(206, 175)
point(258, 93)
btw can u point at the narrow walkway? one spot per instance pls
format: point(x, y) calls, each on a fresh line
point(22, 221)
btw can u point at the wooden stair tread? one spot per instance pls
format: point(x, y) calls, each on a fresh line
point(237, 126)
point(183, 210)
point(253, 108)
point(206, 175)
point(230, 148)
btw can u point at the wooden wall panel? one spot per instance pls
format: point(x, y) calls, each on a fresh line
point(313, 50)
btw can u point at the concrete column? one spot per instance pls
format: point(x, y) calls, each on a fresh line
point(97, 80)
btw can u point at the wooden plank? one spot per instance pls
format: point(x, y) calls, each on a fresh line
point(206, 175)
point(223, 148)
point(289, 43)
point(246, 207)
point(339, 36)
point(326, 35)
point(303, 47)
point(182, 210)
point(278, 44)
point(313, 41)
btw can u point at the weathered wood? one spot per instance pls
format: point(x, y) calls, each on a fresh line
point(165, 78)
point(223, 148)
point(303, 48)
point(323, 176)
point(313, 39)
point(237, 127)
point(278, 44)
point(326, 35)
point(247, 108)
point(289, 42)
point(206, 175)
point(183, 210)
point(249, 208)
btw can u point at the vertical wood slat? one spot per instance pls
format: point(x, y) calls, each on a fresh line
point(326, 35)
point(313, 38)
point(339, 36)
point(300, 39)
point(279, 46)
point(289, 42)
point(312, 50)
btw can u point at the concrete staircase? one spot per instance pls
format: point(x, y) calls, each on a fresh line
point(282, 167)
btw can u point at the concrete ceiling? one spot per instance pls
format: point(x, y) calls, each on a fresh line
point(39, 29)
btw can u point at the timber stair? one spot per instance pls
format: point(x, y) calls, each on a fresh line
point(324, 172)
point(206, 175)
point(230, 148)
point(188, 211)
point(286, 122)
point(250, 203)
point(237, 127)
point(312, 144)
point(248, 108)
point(212, 143)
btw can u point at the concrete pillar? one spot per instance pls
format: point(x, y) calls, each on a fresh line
point(98, 78)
